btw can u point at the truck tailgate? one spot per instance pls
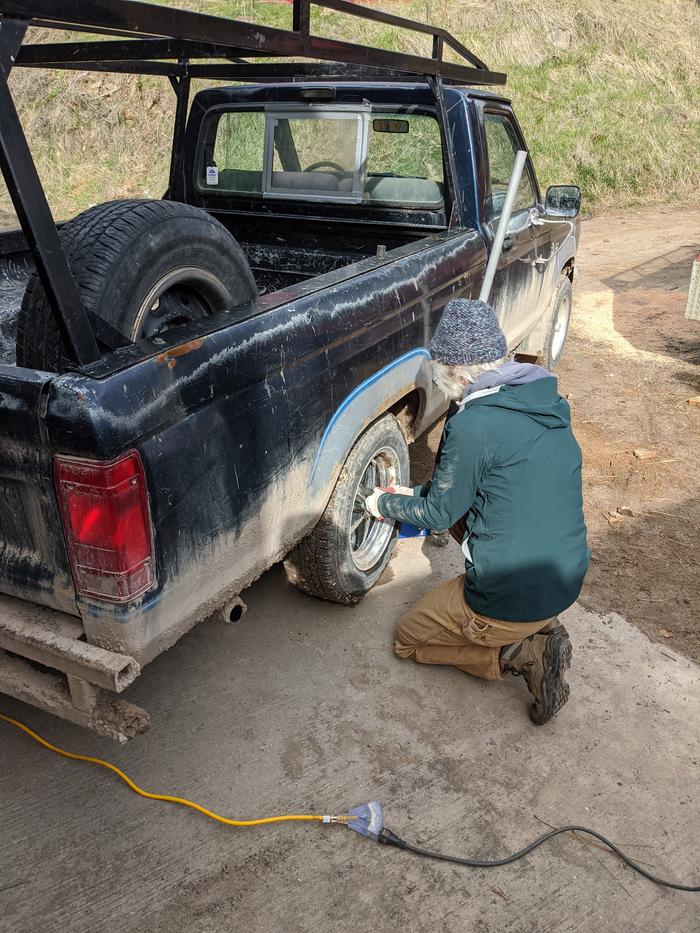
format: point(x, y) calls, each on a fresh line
point(33, 559)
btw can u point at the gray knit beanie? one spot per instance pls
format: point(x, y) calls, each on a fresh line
point(468, 333)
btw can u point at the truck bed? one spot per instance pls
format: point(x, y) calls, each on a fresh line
point(278, 259)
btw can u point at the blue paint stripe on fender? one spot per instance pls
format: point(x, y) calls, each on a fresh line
point(363, 386)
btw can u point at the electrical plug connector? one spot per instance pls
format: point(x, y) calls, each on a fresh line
point(367, 819)
point(387, 838)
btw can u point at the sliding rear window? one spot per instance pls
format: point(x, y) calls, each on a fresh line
point(315, 154)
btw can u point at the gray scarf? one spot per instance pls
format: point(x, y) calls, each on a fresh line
point(509, 374)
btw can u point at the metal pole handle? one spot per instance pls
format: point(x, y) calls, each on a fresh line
point(497, 246)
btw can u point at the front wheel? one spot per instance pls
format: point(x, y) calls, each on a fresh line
point(347, 551)
point(558, 324)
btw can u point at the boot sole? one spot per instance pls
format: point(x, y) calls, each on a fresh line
point(554, 689)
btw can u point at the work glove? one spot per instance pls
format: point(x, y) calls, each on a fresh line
point(372, 502)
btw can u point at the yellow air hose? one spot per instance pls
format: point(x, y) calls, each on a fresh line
point(286, 818)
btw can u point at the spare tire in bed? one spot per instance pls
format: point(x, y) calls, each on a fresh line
point(142, 266)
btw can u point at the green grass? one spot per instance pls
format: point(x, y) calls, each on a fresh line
point(606, 95)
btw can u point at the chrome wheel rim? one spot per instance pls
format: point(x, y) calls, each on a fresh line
point(181, 296)
point(368, 538)
point(561, 326)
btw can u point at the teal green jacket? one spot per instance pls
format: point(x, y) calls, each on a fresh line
point(511, 464)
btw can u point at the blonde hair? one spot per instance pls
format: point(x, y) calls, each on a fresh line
point(452, 379)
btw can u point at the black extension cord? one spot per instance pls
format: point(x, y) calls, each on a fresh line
point(388, 838)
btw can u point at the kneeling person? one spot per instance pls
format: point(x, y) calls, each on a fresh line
point(507, 483)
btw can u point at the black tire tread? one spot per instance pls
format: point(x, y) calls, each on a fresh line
point(564, 284)
point(37, 333)
point(311, 565)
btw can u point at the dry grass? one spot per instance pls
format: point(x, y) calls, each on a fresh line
point(606, 94)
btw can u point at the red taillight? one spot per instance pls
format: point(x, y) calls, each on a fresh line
point(107, 525)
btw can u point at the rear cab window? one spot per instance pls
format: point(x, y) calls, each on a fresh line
point(404, 160)
point(336, 154)
point(233, 161)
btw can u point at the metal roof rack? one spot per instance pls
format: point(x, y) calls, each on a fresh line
point(162, 40)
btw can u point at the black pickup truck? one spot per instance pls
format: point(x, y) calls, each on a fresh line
point(261, 364)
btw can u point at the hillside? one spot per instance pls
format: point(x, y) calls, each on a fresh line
point(606, 93)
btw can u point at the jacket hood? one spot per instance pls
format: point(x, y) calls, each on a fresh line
point(532, 393)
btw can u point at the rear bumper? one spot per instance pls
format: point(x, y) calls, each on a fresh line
point(45, 661)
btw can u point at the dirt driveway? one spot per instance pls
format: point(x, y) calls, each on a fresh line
point(632, 364)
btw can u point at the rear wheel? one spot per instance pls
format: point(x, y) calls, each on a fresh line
point(142, 266)
point(347, 551)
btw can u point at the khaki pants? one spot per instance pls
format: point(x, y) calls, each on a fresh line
point(442, 629)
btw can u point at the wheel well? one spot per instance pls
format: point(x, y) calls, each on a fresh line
point(407, 411)
point(568, 270)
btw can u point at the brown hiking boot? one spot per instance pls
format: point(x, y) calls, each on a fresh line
point(542, 659)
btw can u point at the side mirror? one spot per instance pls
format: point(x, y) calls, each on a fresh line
point(563, 200)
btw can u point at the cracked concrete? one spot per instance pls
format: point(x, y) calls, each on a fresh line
point(300, 706)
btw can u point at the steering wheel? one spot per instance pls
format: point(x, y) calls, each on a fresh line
point(338, 169)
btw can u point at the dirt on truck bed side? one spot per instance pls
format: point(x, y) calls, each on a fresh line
point(630, 367)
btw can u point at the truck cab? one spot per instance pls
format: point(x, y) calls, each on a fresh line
point(253, 160)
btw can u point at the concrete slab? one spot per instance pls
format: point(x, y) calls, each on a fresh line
point(302, 707)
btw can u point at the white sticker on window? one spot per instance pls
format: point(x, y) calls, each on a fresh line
point(212, 175)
